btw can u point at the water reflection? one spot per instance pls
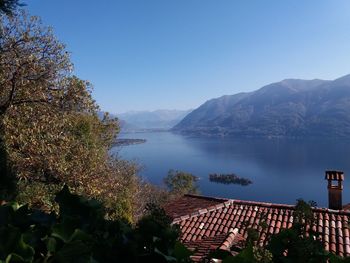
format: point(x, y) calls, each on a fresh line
point(282, 169)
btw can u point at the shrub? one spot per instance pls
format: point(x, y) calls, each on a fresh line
point(180, 183)
point(80, 233)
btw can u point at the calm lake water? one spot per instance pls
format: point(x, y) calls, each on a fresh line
point(282, 170)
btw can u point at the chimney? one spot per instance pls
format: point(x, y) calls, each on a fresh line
point(335, 190)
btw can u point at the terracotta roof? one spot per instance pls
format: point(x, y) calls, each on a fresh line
point(225, 241)
point(186, 204)
point(346, 207)
point(213, 223)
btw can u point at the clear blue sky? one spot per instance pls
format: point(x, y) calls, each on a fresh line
point(176, 54)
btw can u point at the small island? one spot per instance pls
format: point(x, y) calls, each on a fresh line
point(125, 142)
point(229, 179)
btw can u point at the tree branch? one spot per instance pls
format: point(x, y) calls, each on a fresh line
point(30, 101)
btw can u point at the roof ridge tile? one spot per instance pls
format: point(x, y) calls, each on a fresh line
point(207, 197)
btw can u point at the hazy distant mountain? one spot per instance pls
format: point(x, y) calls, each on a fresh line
point(159, 119)
point(291, 107)
point(124, 126)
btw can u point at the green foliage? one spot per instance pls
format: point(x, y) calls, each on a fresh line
point(7, 178)
point(251, 254)
point(50, 132)
point(38, 195)
point(180, 183)
point(156, 222)
point(300, 248)
point(80, 233)
point(302, 244)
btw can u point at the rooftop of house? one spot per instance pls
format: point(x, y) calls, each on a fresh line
point(209, 223)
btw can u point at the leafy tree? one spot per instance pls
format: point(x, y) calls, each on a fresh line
point(34, 64)
point(50, 130)
point(30, 60)
point(9, 6)
point(180, 183)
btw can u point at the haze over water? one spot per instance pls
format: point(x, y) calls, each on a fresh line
point(282, 170)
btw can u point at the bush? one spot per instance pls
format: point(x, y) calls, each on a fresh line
point(180, 183)
point(80, 233)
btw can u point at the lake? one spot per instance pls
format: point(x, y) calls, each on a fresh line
point(282, 170)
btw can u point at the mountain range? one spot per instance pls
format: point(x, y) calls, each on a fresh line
point(151, 120)
point(292, 108)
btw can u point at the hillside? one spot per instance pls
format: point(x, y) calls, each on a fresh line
point(291, 107)
point(159, 119)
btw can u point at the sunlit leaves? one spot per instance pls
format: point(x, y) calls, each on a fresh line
point(53, 135)
point(180, 183)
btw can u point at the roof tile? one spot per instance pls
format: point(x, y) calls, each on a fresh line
point(205, 221)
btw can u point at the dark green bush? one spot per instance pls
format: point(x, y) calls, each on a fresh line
point(80, 233)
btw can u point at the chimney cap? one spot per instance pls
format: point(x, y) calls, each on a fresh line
point(334, 175)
